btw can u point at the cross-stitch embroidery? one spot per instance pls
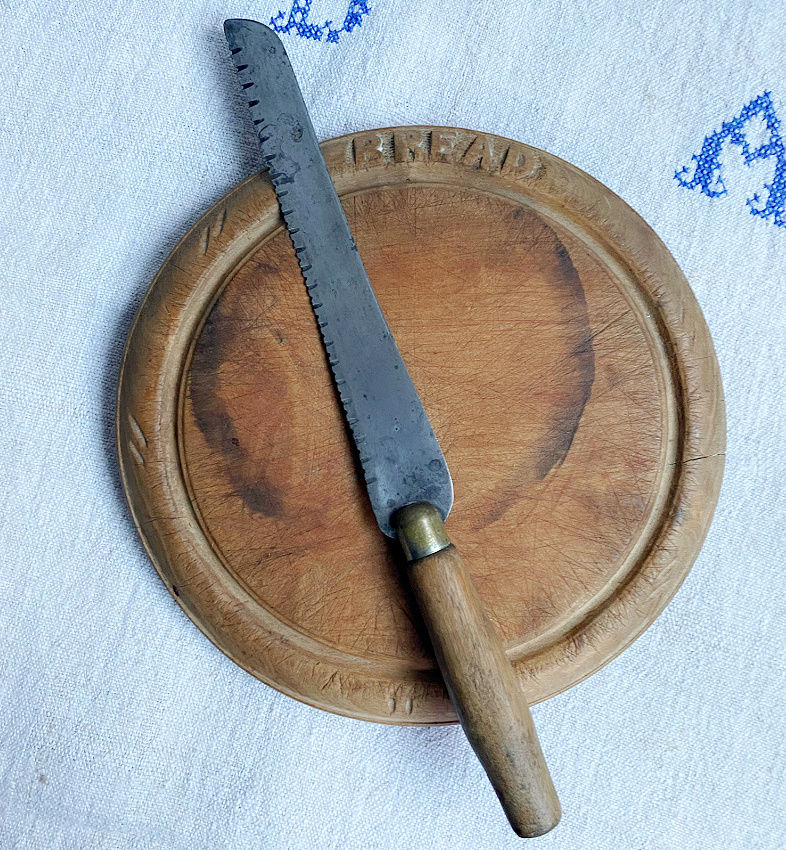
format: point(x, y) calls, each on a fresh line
point(707, 172)
point(298, 21)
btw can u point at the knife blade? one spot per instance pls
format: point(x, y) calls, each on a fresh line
point(406, 475)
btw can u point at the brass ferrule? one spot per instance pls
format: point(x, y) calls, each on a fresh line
point(420, 530)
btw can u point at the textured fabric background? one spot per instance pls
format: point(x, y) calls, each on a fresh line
point(121, 726)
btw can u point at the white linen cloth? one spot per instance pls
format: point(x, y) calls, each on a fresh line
point(121, 726)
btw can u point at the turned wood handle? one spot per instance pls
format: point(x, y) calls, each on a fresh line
point(487, 696)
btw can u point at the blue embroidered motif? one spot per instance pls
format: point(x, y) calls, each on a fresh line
point(707, 174)
point(298, 20)
point(354, 18)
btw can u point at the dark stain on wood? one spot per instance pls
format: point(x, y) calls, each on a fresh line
point(566, 420)
point(215, 423)
point(576, 376)
point(263, 268)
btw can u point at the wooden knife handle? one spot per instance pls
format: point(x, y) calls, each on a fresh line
point(487, 696)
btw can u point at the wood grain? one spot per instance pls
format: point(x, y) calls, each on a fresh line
point(567, 371)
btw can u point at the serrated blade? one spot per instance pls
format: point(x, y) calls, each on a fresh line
point(401, 458)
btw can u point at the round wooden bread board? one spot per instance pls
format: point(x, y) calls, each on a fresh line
point(565, 366)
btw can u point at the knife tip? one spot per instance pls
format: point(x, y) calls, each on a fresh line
point(235, 26)
point(242, 33)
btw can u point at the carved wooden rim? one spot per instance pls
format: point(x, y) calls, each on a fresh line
point(159, 349)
